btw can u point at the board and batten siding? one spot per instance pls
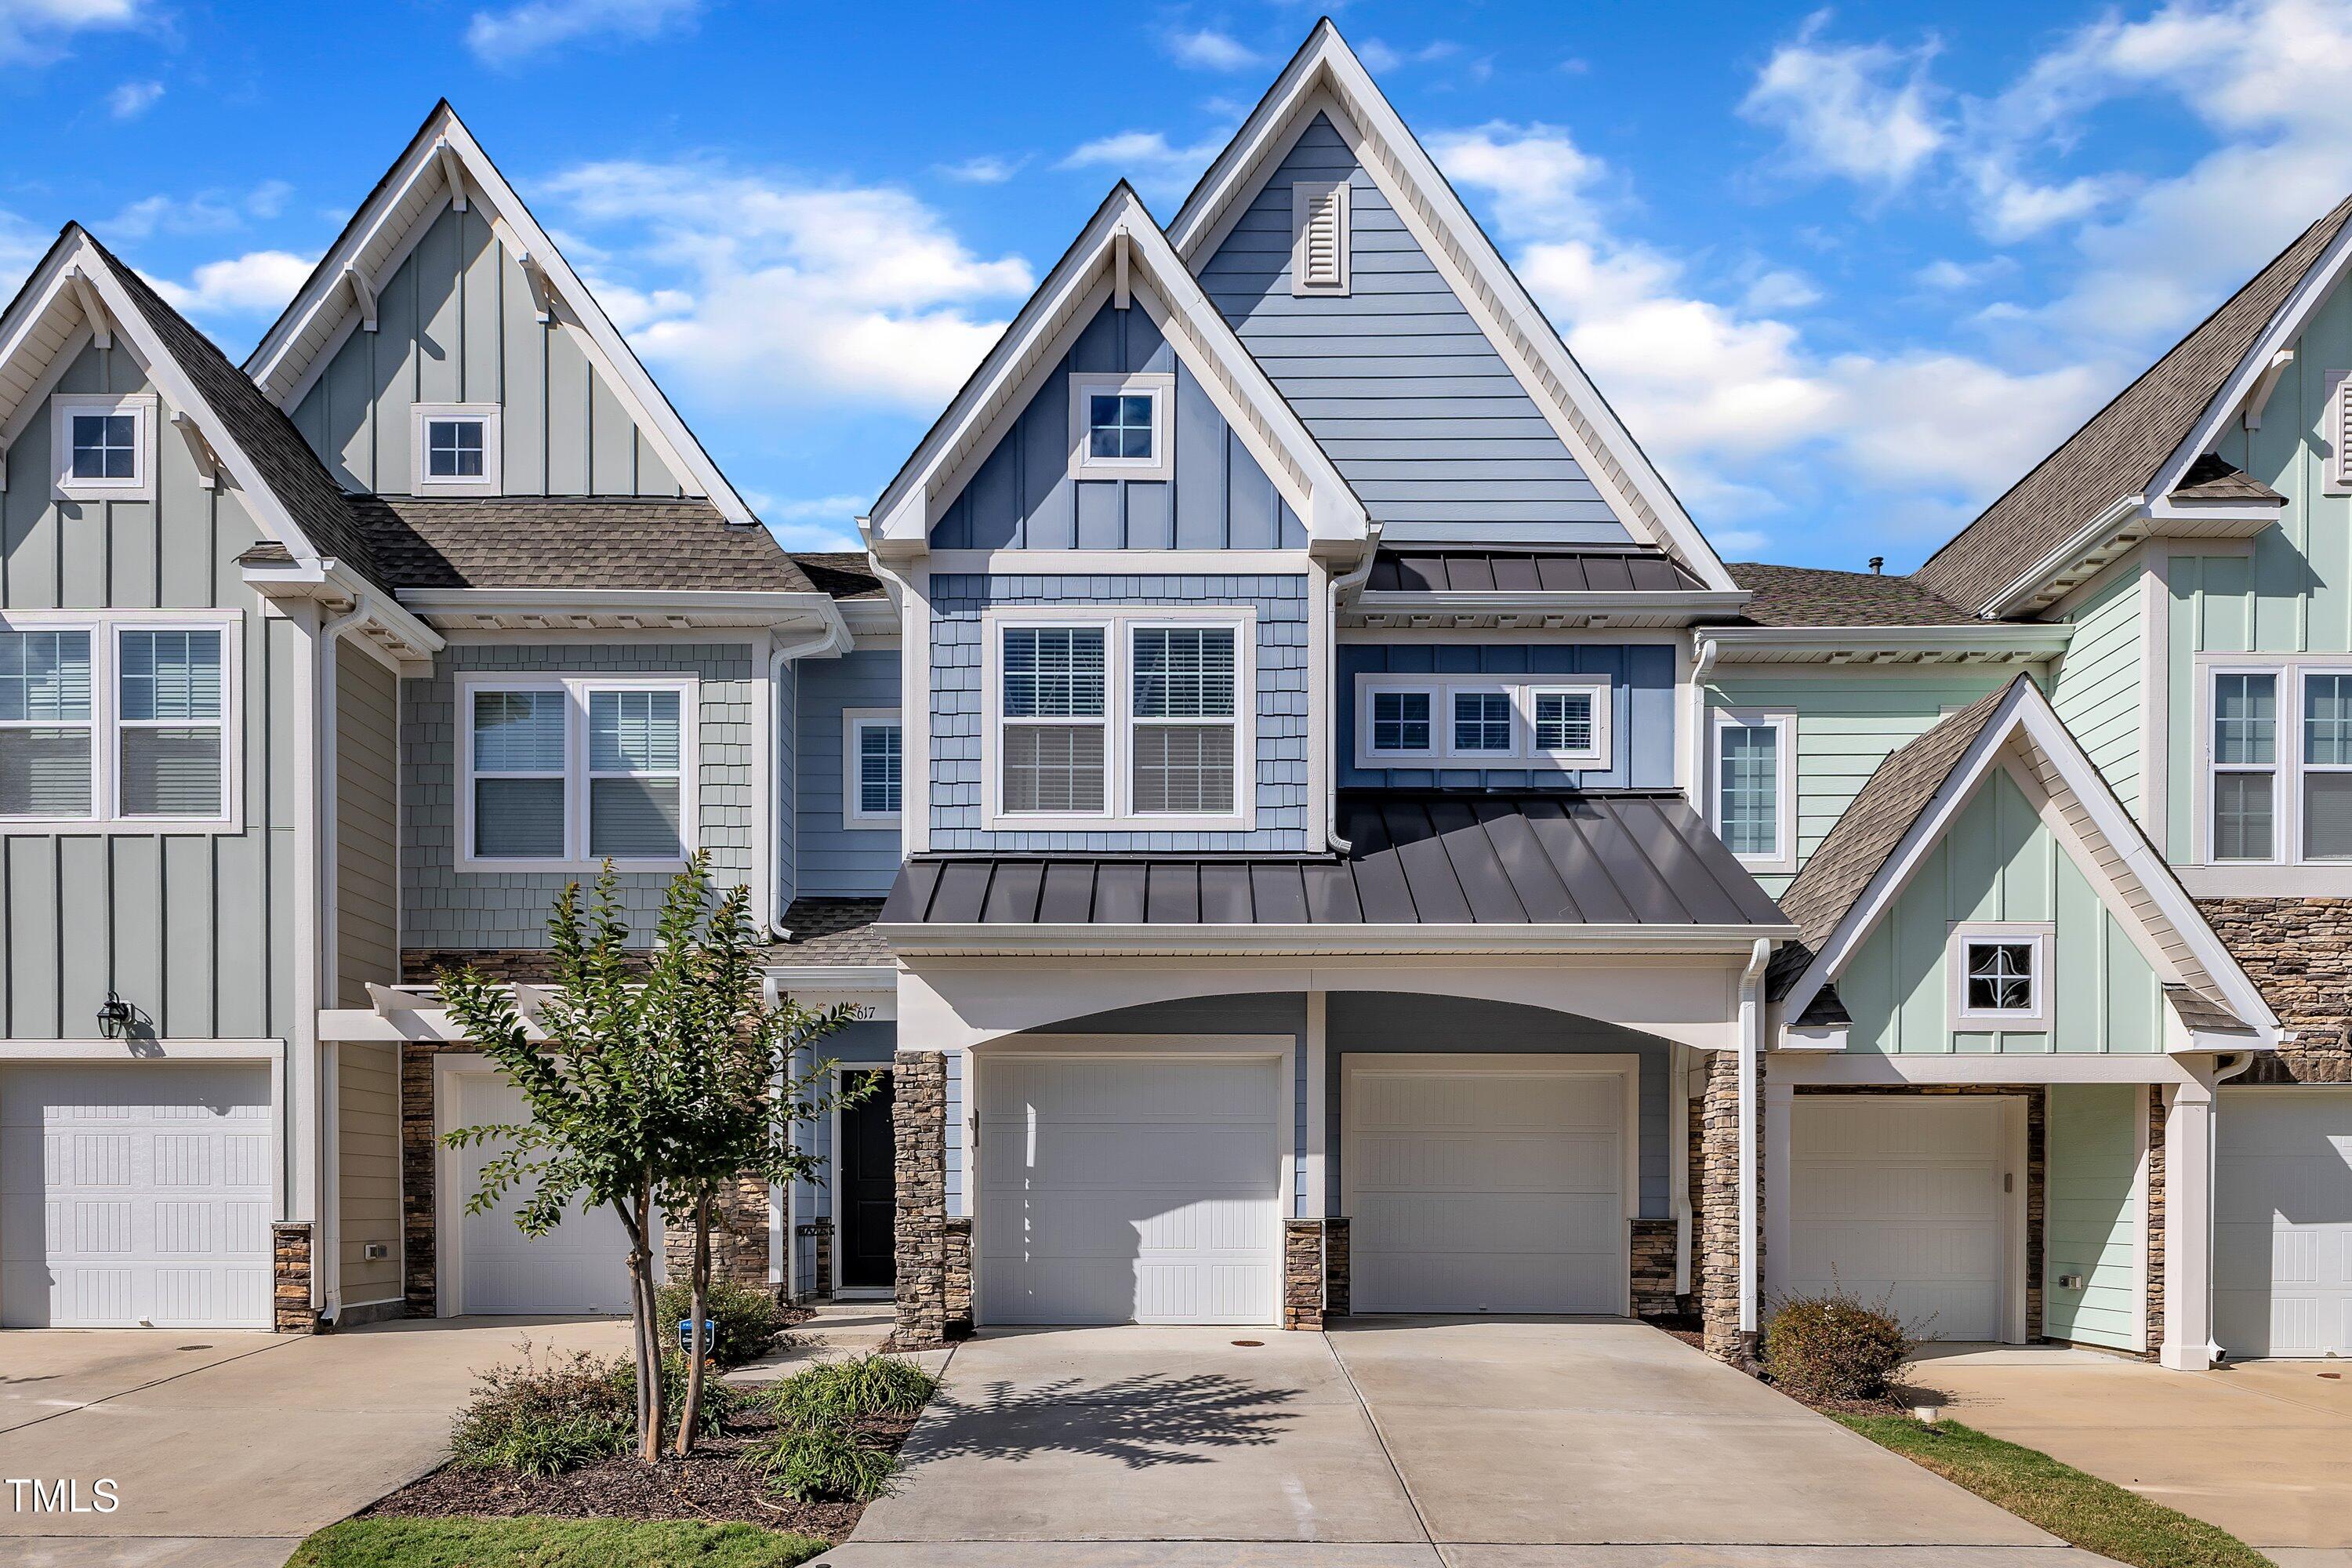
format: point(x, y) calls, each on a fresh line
point(1846, 726)
point(2094, 1222)
point(454, 323)
point(2096, 686)
point(1999, 861)
point(838, 858)
point(367, 1169)
point(1022, 497)
point(1394, 378)
point(446, 906)
point(959, 600)
point(367, 826)
point(194, 930)
point(1640, 721)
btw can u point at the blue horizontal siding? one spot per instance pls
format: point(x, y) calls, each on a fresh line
point(835, 858)
point(1642, 712)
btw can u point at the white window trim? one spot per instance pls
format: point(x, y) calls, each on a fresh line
point(106, 628)
point(491, 480)
point(852, 813)
point(1158, 386)
point(577, 688)
point(63, 407)
point(1304, 194)
point(1783, 860)
point(1523, 754)
point(2035, 1020)
point(1119, 623)
point(2286, 771)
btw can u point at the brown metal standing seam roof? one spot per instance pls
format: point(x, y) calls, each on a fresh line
point(1441, 569)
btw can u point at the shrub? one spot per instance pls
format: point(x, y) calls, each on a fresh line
point(541, 1419)
point(825, 1459)
point(538, 1418)
point(856, 1389)
point(748, 1320)
point(1834, 1346)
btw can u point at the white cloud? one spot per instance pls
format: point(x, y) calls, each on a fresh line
point(1779, 290)
point(35, 32)
point(499, 37)
point(21, 245)
point(258, 282)
point(985, 170)
point(825, 523)
point(133, 99)
point(1206, 49)
point(1380, 57)
point(1951, 275)
point(1145, 160)
point(1738, 541)
point(1865, 111)
point(206, 213)
point(785, 294)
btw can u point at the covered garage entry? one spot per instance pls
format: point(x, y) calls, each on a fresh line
point(136, 1195)
point(2283, 1222)
point(489, 1267)
point(1139, 1182)
point(1909, 1197)
point(1489, 1183)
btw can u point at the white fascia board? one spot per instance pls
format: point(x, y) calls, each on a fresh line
point(1893, 1070)
point(874, 977)
point(1015, 367)
point(2119, 515)
point(1326, 63)
point(442, 143)
point(780, 607)
point(979, 938)
point(47, 293)
point(1735, 645)
point(1682, 607)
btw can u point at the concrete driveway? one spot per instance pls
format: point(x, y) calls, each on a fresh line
point(2259, 1449)
point(1403, 1443)
point(228, 1448)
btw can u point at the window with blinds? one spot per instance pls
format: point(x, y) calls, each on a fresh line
point(578, 773)
point(115, 721)
point(48, 733)
point(1184, 720)
point(1319, 237)
point(1056, 679)
point(168, 712)
point(875, 747)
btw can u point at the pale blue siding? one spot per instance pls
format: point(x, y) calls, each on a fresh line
point(1395, 379)
point(1642, 716)
point(2094, 1212)
point(836, 859)
point(1023, 497)
point(957, 603)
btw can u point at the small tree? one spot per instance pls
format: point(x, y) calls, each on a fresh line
point(619, 1080)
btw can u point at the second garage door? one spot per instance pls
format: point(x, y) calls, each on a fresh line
point(1486, 1183)
point(1130, 1188)
point(1900, 1197)
point(580, 1267)
point(2283, 1222)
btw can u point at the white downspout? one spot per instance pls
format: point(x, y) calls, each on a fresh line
point(1751, 1052)
point(1345, 583)
point(833, 640)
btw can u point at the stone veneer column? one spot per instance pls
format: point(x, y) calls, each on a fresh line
point(959, 1278)
point(1719, 1209)
point(289, 1249)
point(1337, 1272)
point(2154, 1270)
point(1654, 1267)
point(820, 1283)
point(1302, 1274)
point(918, 1126)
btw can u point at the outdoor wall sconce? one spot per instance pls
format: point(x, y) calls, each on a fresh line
point(115, 1017)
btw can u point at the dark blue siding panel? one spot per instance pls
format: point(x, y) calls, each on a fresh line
point(1641, 710)
point(1408, 396)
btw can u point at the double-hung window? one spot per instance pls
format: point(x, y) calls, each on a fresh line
point(873, 766)
point(111, 719)
point(1435, 721)
point(1134, 717)
point(2328, 765)
point(1754, 787)
point(2278, 762)
point(568, 773)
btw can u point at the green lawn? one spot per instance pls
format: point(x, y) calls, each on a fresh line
point(551, 1543)
point(2079, 1509)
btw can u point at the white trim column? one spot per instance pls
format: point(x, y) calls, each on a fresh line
point(2189, 1227)
point(1779, 1174)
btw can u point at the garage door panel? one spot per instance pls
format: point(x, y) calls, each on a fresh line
point(1487, 1103)
point(1131, 1158)
point(1443, 1223)
point(1892, 1190)
point(2283, 1240)
point(581, 1266)
point(1450, 1160)
point(1072, 1090)
point(1512, 1281)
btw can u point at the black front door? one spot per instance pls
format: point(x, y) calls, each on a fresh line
point(868, 1186)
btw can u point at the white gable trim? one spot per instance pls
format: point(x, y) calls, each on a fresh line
point(1325, 75)
point(1120, 237)
point(54, 295)
point(298, 346)
point(2132, 880)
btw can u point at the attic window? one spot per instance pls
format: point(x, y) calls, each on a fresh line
point(454, 448)
point(2000, 974)
point(103, 447)
point(1318, 236)
point(1119, 425)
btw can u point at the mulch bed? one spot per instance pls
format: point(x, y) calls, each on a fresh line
point(710, 1486)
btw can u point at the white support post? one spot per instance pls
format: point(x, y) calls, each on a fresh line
point(2189, 1227)
point(1314, 1186)
point(1751, 1061)
point(1678, 1163)
point(1779, 1163)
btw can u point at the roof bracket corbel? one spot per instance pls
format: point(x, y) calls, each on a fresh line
point(2259, 399)
point(542, 288)
point(453, 172)
point(364, 292)
point(93, 309)
point(207, 461)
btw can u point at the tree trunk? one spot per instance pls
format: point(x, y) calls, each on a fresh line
point(700, 1312)
point(649, 1329)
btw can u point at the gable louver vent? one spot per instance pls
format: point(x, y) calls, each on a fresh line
point(2339, 400)
point(1319, 237)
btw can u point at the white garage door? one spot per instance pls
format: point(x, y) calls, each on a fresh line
point(1900, 1197)
point(135, 1195)
point(1486, 1184)
point(581, 1266)
point(1132, 1189)
point(2283, 1222)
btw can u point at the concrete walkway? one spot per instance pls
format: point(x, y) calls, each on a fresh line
point(2262, 1448)
point(1403, 1443)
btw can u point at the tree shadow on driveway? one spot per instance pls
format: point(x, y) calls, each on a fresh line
point(1145, 1421)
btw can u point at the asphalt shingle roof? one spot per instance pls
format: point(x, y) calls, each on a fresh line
point(1810, 596)
point(831, 931)
point(572, 541)
point(844, 573)
point(2216, 479)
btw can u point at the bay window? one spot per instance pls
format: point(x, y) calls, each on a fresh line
point(566, 774)
point(115, 718)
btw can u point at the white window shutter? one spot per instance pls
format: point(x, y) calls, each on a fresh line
point(1319, 237)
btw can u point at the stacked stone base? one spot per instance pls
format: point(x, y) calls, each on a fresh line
point(289, 1249)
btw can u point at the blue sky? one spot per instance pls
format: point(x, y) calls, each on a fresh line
point(1846, 273)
